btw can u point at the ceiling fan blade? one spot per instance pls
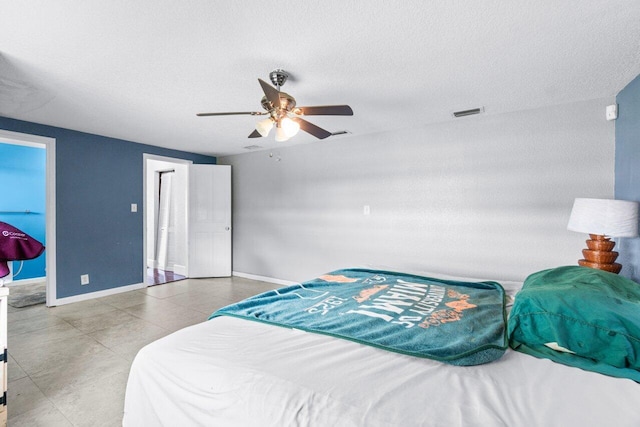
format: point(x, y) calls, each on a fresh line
point(327, 110)
point(314, 130)
point(271, 93)
point(233, 113)
point(255, 134)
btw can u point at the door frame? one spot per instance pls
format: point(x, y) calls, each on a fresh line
point(50, 203)
point(145, 171)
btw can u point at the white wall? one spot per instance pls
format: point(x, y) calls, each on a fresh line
point(483, 196)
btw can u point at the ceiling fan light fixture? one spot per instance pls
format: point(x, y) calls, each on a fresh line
point(282, 111)
point(281, 135)
point(264, 126)
point(289, 126)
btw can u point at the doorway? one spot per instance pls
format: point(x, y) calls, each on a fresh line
point(165, 217)
point(33, 211)
point(187, 220)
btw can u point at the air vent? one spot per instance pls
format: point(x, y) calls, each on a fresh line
point(340, 132)
point(253, 147)
point(468, 112)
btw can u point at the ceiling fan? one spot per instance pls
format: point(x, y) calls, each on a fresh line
point(283, 113)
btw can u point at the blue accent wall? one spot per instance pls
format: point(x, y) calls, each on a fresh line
point(22, 186)
point(97, 179)
point(627, 186)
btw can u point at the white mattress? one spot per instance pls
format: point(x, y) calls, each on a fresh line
point(234, 372)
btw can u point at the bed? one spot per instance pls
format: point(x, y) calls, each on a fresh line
point(233, 371)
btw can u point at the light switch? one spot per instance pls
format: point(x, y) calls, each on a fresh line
point(366, 210)
point(134, 207)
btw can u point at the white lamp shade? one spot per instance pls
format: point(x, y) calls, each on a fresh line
point(281, 135)
point(264, 126)
point(289, 126)
point(613, 218)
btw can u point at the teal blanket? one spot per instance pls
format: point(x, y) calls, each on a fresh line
point(459, 323)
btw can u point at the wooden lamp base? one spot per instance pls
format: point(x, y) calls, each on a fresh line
point(600, 255)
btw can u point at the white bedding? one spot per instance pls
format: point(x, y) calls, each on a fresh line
point(234, 372)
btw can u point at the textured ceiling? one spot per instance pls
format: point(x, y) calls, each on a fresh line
point(140, 70)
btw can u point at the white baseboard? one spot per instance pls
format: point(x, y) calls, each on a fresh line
point(180, 269)
point(264, 278)
point(136, 286)
point(28, 281)
point(97, 294)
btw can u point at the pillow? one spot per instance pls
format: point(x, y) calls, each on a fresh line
point(580, 317)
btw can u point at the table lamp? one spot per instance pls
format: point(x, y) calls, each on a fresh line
point(603, 219)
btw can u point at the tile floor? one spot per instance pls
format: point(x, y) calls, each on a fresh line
point(157, 277)
point(68, 365)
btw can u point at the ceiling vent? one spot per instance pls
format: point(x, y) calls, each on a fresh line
point(468, 112)
point(253, 147)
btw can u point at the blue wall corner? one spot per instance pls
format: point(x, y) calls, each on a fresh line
point(627, 180)
point(22, 182)
point(97, 179)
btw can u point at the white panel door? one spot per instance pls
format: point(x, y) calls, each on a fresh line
point(209, 221)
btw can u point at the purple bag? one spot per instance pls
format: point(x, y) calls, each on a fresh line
point(16, 245)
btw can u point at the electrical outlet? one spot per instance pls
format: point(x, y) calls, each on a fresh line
point(134, 207)
point(84, 279)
